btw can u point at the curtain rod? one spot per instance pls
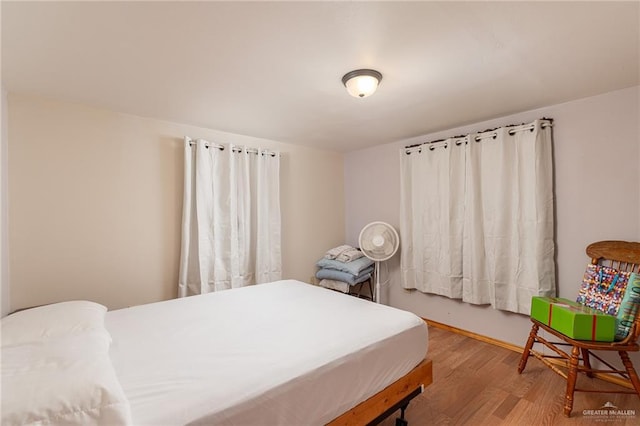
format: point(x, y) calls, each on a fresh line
point(235, 149)
point(208, 145)
point(252, 151)
point(462, 138)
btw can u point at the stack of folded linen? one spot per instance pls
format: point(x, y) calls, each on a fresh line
point(342, 267)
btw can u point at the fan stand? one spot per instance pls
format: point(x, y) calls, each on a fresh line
point(377, 274)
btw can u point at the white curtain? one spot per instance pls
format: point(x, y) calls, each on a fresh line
point(231, 218)
point(432, 217)
point(479, 222)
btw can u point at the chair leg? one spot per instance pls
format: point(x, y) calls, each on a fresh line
point(633, 376)
point(527, 348)
point(587, 362)
point(572, 376)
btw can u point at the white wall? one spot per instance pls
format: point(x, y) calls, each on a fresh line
point(96, 203)
point(4, 199)
point(596, 155)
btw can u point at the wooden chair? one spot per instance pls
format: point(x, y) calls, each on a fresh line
point(621, 255)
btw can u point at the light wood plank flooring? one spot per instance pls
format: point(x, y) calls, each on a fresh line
point(476, 383)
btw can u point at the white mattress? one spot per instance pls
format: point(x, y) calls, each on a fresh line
point(283, 353)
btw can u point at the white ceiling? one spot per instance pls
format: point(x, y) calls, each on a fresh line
point(273, 70)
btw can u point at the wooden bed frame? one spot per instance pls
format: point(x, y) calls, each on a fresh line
point(396, 395)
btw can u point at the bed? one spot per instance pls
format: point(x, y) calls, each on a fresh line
point(282, 353)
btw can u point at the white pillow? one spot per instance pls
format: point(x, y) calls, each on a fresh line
point(68, 380)
point(51, 321)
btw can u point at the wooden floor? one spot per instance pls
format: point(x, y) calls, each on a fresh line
point(476, 383)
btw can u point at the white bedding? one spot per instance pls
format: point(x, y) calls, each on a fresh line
point(283, 353)
point(56, 368)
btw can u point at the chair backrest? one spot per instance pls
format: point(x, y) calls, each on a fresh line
point(621, 255)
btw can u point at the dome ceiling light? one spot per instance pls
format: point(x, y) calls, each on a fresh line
point(361, 83)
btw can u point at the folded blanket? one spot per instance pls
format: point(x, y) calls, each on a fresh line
point(335, 252)
point(354, 267)
point(333, 274)
point(349, 255)
point(335, 285)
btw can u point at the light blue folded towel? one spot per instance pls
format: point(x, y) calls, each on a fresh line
point(354, 267)
point(333, 274)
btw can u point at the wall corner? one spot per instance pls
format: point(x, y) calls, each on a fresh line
point(5, 301)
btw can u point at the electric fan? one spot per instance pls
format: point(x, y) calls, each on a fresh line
point(378, 241)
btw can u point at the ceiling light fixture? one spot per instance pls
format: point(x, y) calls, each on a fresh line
point(361, 83)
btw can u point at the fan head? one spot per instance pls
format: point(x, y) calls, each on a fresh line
point(379, 241)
